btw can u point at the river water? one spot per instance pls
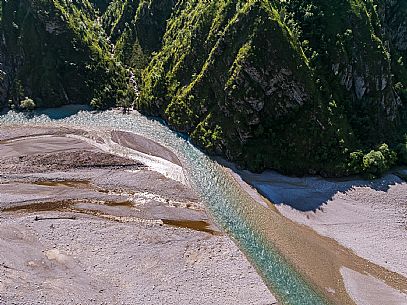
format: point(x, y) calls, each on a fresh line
point(227, 203)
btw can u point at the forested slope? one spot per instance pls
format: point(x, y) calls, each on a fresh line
point(301, 86)
point(314, 86)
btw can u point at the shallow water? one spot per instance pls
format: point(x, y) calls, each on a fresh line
point(197, 225)
point(224, 199)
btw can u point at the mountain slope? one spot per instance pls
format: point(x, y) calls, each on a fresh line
point(313, 86)
point(273, 84)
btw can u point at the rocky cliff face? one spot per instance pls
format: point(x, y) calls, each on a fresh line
point(350, 38)
point(4, 67)
point(300, 86)
point(394, 26)
point(4, 74)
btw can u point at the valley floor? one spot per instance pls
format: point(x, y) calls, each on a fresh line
point(82, 225)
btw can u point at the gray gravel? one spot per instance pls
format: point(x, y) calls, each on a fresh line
point(116, 249)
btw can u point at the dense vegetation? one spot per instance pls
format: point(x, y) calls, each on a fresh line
point(312, 86)
point(56, 56)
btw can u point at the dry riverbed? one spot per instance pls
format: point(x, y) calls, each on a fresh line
point(82, 225)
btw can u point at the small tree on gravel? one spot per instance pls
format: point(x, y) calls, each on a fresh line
point(27, 104)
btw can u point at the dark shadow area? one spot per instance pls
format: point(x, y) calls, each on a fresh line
point(58, 113)
point(307, 194)
point(62, 112)
point(4, 111)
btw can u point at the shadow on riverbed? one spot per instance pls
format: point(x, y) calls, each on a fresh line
point(311, 193)
point(53, 113)
point(62, 112)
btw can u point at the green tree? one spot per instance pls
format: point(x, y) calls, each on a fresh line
point(28, 104)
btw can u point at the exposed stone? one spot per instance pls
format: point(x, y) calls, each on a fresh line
point(360, 87)
point(346, 77)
